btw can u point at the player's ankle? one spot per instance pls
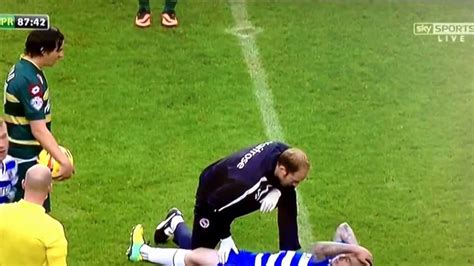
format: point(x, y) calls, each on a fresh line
point(175, 221)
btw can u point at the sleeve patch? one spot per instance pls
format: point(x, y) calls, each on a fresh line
point(35, 90)
point(36, 103)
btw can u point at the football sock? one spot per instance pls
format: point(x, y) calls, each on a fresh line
point(144, 5)
point(179, 257)
point(182, 236)
point(170, 5)
point(175, 221)
point(164, 256)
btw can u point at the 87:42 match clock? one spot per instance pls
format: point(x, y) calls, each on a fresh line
point(24, 22)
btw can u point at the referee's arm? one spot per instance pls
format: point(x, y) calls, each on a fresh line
point(56, 249)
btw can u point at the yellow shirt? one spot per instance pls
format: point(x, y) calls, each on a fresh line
point(30, 237)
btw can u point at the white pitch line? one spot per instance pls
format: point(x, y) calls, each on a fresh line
point(245, 32)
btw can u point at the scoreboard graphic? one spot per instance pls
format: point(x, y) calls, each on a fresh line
point(24, 22)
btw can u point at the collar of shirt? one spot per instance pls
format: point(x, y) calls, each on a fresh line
point(31, 206)
point(31, 62)
point(274, 181)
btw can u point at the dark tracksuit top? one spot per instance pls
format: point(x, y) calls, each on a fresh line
point(235, 185)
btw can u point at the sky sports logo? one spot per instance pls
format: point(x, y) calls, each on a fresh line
point(446, 32)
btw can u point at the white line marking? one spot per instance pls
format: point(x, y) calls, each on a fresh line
point(245, 32)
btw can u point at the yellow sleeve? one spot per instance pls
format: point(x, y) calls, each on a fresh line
point(56, 248)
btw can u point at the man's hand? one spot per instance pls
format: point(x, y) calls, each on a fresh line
point(224, 249)
point(49, 143)
point(66, 170)
point(364, 256)
point(270, 201)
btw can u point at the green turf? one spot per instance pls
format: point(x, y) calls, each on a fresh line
point(386, 117)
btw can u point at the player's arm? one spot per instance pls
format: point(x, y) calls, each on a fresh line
point(201, 256)
point(48, 142)
point(345, 234)
point(56, 250)
point(32, 100)
point(287, 220)
point(325, 249)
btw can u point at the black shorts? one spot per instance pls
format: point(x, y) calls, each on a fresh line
point(22, 168)
point(207, 228)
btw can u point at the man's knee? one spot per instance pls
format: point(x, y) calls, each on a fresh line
point(205, 233)
point(202, 256)
point(204, 239)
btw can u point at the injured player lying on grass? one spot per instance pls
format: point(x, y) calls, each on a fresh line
point(344, 250)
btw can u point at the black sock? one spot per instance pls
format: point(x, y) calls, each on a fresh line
point(144, 5)
point(170, 5)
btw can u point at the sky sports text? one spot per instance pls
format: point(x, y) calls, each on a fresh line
point(446, 32)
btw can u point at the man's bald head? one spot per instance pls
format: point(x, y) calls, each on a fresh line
point(294, 160)
point(38, 179)
point(292, 167)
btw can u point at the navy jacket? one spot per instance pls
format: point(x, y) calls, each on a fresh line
point(235, 185)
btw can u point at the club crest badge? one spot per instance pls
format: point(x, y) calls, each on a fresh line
point(204, 223)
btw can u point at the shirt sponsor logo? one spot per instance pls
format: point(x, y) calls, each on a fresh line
point(249, 155)
point(5, 191)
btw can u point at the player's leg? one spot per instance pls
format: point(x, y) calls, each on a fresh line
point(173, 225)
point(202, 256)
point(139, 251)
point(345, 234)
point(20, 192)
point(182, 236)
point(205, 230)
point(168, 16)
point(206, 256)
point(143, 18)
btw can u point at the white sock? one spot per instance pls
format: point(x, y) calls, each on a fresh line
point(175, 221)
point(179, 257)
point(164, 256)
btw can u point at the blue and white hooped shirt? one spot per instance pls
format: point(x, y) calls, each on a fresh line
point(282, 258)
point(8, 179)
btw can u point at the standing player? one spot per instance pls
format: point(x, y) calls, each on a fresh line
point(260, 177)
point(168, 15)
point(8, 177)
point(27, 106)
point(343, 251)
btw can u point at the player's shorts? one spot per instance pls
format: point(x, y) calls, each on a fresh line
point(282, 258)
point(206, 229)
point(22, 168)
